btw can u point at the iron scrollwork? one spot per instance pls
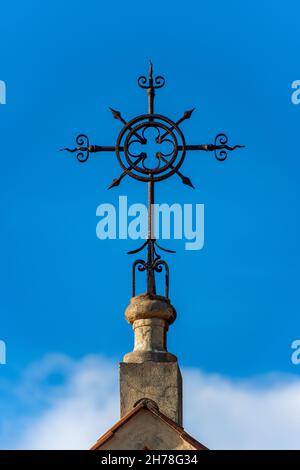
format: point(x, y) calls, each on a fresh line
point(136, 164)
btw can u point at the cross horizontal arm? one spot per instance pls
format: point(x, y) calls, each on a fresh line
point(84, 148)
point(219, 147)
point(209, 147)
point(93, 149)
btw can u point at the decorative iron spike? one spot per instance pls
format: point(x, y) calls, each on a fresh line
point(116, 114)
point(186, 180)
point(150, 70)
point(115, 182)
point(187, 114)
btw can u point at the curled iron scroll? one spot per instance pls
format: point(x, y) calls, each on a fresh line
point(221, 154)
point(84, 145)
point(158, 82)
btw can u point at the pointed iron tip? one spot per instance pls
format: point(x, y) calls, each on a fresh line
point(189, 112)
point(114, 183)
point(68, 150)
point(187, 181)
point(150, 69)
point(116, 114)
point(238, 147)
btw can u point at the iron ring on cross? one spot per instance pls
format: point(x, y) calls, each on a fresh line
point(150, 147)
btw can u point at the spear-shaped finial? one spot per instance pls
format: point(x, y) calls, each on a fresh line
point(117, 115)
point(150, 70)
point(187, 114)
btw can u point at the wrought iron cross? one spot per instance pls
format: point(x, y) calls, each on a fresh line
point(138, 163)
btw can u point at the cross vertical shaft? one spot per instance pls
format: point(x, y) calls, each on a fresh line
point(151, 286)
point(151, 92)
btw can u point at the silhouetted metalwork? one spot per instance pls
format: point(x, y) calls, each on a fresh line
point(136, 162)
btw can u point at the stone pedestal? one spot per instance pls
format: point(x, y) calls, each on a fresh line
point(159, 381)
point(150, 371)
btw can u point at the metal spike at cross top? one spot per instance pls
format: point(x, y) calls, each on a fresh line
point(138, 163)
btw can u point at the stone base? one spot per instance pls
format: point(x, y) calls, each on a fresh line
point(159, 381)
point(149, 356)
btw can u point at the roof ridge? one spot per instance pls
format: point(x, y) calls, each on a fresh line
point(152, 407)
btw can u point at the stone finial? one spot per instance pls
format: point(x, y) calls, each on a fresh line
point(150, 317)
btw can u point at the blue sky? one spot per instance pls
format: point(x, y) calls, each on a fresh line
point(62, 289)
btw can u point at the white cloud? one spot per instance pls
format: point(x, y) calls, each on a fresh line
point(60, 403)
point(263, 413)
point(77, 411)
